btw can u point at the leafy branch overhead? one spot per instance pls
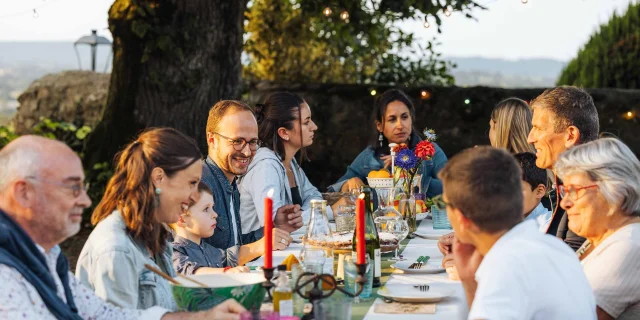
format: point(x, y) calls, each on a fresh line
point(296, 41)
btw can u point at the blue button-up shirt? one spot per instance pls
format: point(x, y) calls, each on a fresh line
point(188, 256)
point(225, 191)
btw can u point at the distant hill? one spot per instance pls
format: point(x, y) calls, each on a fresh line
point(23, 62)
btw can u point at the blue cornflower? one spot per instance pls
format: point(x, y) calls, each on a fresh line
point(406, 160)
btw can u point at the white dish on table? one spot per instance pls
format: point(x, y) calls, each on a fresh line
point(422, 215)
point(411, 294)
point(429, 267)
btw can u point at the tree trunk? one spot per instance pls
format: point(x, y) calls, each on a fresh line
point(172, 60)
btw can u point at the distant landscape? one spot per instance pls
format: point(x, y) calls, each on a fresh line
point(21, 63)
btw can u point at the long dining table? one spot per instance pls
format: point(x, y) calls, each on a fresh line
point(453, 307)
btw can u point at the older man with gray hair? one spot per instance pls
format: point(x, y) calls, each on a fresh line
point(601, 195)
point(42, 197)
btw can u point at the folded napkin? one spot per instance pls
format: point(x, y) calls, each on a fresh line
point(398, 307)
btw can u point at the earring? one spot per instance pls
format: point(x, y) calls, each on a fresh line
point(380, 138)
point(156, 199)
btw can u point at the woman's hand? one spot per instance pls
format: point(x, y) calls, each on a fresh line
point(387, 161)
point(238, 269)
point(281, 239)
point(230, 309)
point(353, 183)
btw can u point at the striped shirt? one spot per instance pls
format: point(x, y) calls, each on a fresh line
point(612, 269)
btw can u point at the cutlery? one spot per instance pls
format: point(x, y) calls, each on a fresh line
point(424, 260)
point(415, 264)
point(422, 287)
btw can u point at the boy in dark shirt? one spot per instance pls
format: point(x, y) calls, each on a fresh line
point(193, 256)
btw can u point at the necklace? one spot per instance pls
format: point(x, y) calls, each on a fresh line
point(583, 249)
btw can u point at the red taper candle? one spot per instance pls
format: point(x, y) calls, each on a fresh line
point(360, 248)
point(268, 230)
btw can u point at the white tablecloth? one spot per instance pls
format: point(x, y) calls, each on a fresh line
point(454, 307)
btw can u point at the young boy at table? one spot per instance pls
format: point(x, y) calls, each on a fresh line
point(534, 188)
point(191, 255)
point(508, 268)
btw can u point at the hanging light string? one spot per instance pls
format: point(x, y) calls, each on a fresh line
point(34, 11)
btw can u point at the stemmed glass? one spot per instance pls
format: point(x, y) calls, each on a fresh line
point(399, 229)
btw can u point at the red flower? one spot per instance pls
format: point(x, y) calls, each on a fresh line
point(425, 150)
point(399, 147)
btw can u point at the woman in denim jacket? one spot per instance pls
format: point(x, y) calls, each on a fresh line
point(155, 180)
point(284, 127)
point(394, 113)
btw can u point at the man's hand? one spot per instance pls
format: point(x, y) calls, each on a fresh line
point(281, 239)
point(230, 309)
point(288, 218)
point(467, 260)
point(445, 242)
point(353, 183)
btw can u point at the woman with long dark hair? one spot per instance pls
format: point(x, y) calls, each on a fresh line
point(285, 128)
point(394, 118)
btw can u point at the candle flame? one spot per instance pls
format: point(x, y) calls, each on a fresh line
point(270, 193)
point(361, 196)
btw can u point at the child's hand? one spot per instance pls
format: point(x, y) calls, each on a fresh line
point(238, 269)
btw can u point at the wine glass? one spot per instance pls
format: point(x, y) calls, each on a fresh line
point(399, 229)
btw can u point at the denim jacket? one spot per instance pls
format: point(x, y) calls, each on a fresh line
point(223, 192)
point(112, 264)
point(367, 161)
point(265, 172)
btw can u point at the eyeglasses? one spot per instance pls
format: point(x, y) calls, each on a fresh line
point(240, 143)
point(572, 191)
point(76, 188)
point(440, 204)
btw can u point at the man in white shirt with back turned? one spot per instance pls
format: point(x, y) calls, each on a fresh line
point(509, 269)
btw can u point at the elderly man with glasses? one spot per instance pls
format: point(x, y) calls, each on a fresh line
point(232, 137)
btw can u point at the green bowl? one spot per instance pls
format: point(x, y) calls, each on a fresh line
point(246, 288)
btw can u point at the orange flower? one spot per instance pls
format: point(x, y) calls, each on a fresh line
point(399, 147)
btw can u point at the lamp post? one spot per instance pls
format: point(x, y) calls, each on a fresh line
point(93, 40)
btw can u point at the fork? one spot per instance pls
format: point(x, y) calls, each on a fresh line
point(422, 287)
point(413, 265)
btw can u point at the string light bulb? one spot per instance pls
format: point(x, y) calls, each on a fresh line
point(35, 14)
point(327, 11)
point(525, 1)
point(629, 115)
point(426, 23)
point(424, 94)
point(467, 101)
point(447, 12)
point(344, 15)
point(373, 92)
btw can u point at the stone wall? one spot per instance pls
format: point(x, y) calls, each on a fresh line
point(343, 114)
point(71, 96)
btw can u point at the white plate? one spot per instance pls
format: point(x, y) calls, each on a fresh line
point(422, 215)
point(407, 293)
point(429, 267)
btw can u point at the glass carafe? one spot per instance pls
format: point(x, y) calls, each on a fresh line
point(319, 236)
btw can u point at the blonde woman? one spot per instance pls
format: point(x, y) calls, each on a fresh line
point(510, 125)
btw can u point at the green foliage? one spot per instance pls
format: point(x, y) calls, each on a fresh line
point(74, 137)
point(611, 57)
point(293, 41)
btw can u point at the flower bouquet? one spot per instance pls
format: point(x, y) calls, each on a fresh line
point(407, 161)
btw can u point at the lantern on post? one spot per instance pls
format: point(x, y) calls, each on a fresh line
point(93, 40)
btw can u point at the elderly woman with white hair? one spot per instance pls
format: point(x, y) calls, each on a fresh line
point(601, 194)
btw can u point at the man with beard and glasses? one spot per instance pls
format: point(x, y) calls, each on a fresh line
point(42, 197)
point(232, 137)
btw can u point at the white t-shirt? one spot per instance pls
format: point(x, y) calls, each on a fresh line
point(531, 275)
point(613, 270)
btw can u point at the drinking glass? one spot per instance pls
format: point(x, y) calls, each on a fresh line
point(331, 309)
point(351, 273)
point(408, 210)
point(345, 218)
point(400, 230)
point(440, 219)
